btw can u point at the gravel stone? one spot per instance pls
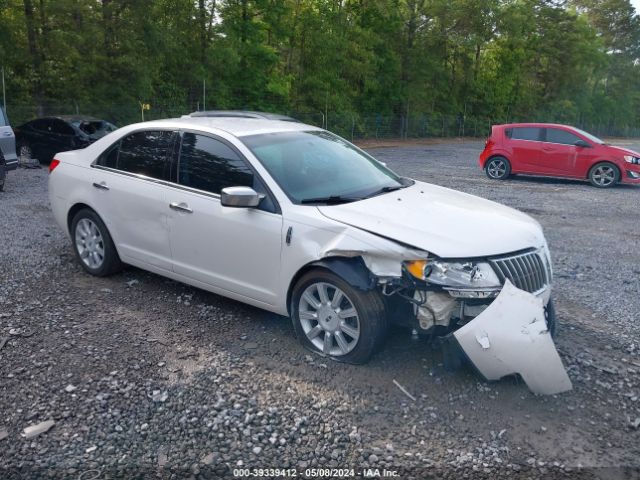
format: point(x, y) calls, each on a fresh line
point(224, 402)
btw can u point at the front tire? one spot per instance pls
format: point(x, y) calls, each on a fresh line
point(93, 245)
point(3, 172)
point(604, 175)
point(497, 168)
point(550, 317)
point(336, 320)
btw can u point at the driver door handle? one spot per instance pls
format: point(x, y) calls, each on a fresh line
point(101, 185)
point(181, 207)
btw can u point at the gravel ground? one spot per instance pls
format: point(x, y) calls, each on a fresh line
point(146, 377)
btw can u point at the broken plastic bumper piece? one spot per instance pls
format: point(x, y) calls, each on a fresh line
point(511, 337)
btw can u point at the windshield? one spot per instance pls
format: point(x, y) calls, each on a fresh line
point(593, 138)
point(319, 167)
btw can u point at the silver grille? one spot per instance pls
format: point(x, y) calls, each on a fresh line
point(526, 271)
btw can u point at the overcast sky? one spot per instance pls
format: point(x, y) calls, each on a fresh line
point(636, 5)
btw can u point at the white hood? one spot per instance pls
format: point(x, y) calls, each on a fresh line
point(444, 222)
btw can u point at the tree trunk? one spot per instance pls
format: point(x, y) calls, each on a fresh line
point(107, 26)
point(202, 15)
point(35, 54)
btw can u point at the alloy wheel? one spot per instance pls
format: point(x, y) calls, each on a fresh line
point(25, 153)
point(329, 319)
point(496, 168)
point(89, 243)
point(604, 175)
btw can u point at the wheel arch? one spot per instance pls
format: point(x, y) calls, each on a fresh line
point(495, 154)
point(599, 162)
point(74, 210)
point(113, 265)
point(352, 270)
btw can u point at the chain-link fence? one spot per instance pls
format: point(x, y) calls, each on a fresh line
point(426, 125)
point(353, 126)
point(119, 115)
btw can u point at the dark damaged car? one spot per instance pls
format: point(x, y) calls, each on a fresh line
point(42, 138)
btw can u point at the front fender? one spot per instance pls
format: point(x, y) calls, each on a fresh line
point(351, 270)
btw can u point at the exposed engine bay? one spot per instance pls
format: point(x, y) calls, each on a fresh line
point(501, 330)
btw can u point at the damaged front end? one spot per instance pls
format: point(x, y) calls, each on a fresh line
point(490, 311)
point(511, 337)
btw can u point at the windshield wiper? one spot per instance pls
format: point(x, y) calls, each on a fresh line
point(331, 199)
point(388, 188)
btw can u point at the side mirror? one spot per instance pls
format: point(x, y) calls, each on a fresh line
point(582, 143)
point(240, 197)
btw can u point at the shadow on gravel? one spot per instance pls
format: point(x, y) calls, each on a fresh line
point(247, 332)
point(565, 181)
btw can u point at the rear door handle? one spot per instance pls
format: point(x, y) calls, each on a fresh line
point(7, 134)
point(101, 185)
point(182, 207)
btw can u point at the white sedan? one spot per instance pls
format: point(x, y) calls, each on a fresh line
point(295, 220)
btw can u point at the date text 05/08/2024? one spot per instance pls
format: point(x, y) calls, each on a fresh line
point(315, 472)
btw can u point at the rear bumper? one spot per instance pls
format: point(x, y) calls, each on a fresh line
point(483, 157)
point(11, 163)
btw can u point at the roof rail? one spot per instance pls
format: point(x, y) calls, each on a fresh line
point(241, 114)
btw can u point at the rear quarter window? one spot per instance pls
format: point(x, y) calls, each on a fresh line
point(41, 124)
point(61, 128)
point(109, 158)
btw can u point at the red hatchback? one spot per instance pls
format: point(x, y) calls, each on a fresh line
point(557, 151)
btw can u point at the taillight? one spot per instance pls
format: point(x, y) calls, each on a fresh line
point(54, 163)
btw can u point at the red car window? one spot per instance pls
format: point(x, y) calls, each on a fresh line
point(555, 135)
point(526, 133)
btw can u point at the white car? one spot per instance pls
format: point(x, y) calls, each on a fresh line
point(295, 220)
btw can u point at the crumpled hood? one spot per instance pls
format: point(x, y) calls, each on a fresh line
point(447, 223)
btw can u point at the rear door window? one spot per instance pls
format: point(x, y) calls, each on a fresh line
point(556, 135)
point(145, 153)
point(526, 133)
point(3, 120)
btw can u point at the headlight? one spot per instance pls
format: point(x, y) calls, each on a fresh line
point(632, 159)
point(465, 274)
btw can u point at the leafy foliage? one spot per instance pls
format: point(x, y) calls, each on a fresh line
point(575, 61)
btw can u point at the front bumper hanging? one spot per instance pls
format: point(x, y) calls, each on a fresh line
point(511, 337)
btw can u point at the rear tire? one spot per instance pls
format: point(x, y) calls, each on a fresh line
point(336, 320)
point(604, 175)
point(93, 245)
point(25, 156)
point(497, 168)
